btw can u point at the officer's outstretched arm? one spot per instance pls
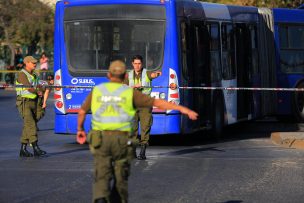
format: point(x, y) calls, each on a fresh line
point(81, 135)
point(156, 74)
point(162, 104)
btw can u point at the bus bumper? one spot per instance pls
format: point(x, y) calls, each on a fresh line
point(162, 124)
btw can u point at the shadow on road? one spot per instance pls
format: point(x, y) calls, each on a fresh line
point(45, 129)
point(240, 131)
point(191, 150)
point(67, 152)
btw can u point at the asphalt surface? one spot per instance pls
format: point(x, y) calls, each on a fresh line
point(245, 166)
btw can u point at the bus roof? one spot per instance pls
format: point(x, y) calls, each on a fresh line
point(243, 13)
point(88, 2)
point(215, 11)
point(192, 8)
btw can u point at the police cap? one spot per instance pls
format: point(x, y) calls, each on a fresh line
point(117, 67)
point(28, 59)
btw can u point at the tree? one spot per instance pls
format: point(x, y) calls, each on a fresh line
point(27, 23)
point(5, 23)
point(262, 3)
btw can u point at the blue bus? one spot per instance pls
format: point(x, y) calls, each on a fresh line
point(289, 38)
point(194, 44)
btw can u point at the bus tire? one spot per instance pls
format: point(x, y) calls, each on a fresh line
point(298, 103)
point(218, 118)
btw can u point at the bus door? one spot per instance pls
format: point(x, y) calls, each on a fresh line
point(243, 60)
point(200, 58)
point(229, 71)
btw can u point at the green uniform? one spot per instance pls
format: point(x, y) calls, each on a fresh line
point(27, 106)
point(111, 159)
point(113, 108)
point(143, 115)
point(40, 111)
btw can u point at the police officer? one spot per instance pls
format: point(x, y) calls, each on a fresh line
point(138, 78)
point(26, 102)
point(113, 108)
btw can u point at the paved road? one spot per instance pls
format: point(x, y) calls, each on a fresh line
point(244, 167)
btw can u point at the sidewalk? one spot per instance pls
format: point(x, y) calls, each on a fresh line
point(288, 139)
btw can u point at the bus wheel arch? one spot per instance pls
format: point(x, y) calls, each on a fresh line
point(218, 115)
point(297, 102)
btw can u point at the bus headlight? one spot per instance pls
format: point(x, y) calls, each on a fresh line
point(68, 96)
point(162, 95)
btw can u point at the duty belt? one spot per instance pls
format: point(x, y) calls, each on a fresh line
point(114, 132)
point(26, 99)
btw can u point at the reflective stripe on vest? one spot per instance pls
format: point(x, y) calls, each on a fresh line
point(23, 92)
point(145, 81)
point(112, 107)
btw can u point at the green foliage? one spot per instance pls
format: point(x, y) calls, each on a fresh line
point(262, 3)
point(26, 23)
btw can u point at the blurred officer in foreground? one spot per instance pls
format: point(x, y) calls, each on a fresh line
point(113, 107)
point(27, 99)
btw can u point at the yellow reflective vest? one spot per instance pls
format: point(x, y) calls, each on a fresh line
point(144, 80)
point(23, 91)
point(112, 107)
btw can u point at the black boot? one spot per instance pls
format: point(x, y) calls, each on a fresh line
point(37, 150)
point(24, 152)
point(142, 153)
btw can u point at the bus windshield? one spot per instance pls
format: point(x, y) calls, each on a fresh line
point(93, 43)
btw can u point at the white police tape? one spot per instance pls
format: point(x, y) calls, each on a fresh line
point(181, 87)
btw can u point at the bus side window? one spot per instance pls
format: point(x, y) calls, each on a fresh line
point(184, 49)
point(200, 53)
point(254, 50)
point(228, 51)
point(291, 48)
point(215, 65)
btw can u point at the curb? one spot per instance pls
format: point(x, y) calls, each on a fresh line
point(9, 89)
point(288, 139)
point(6, 88)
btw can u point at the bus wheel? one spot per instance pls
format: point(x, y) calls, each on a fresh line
point(218, 118)
point(298, 103)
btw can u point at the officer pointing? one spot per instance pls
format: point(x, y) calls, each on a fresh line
point(113, 107)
